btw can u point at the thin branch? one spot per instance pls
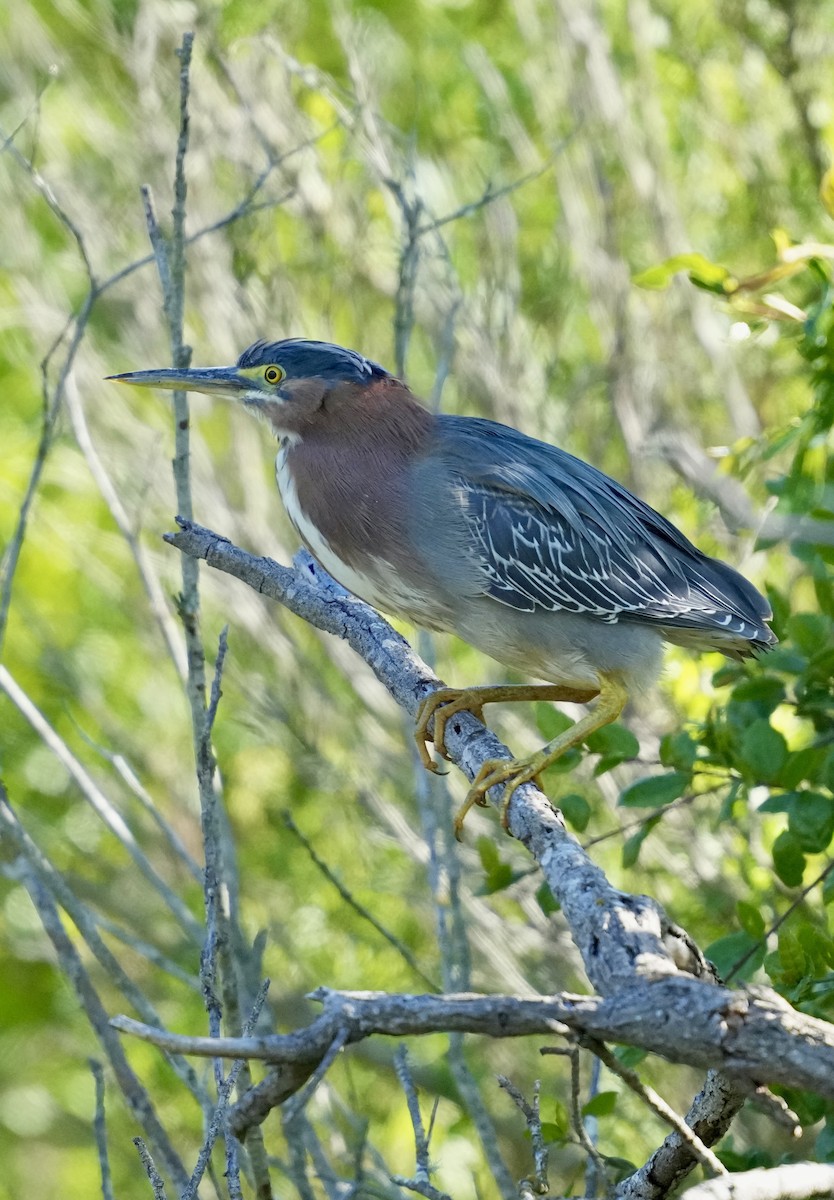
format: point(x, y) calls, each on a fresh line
point(796, 903)
point(147, 575)
point(127, 774)
point(710, 1116)
point(100, 1130)
point(751, 1036)
point(98, 801)
point(302, 1098)
point(135, 1095)
point(533, 1120)
point(85, 922)
point(657, 1104)
point(224, 1094)
point(353, 903)
point(157, 1182)
point(421, 1181)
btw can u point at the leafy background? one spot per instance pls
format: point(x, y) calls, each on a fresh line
point(550, 153)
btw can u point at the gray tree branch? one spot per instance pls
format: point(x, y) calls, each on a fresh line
point(755, 1038)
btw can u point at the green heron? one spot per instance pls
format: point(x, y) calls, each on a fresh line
point(465, 525)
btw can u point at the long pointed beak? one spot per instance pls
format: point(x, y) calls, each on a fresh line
point(225, 380)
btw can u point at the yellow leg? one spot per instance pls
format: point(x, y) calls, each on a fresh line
point(446, 702)
point(513, 772)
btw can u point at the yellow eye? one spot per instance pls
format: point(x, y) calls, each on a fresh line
point(273, 374)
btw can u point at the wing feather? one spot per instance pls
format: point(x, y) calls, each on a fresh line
point(549, 531)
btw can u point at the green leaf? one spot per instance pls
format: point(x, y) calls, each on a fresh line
point(631, 846)
point(546, 900)
point(655, 790)
point(498, 880)
point(802, 766)
point(750, 919)
point(630, 1056)
point(702, 272)
point(678, 750)
point(788, 859)
point(777, 802)
point(727, 951)
point(763, 750)
point(811, 821)
point(565, 763)
point(550, 721)
point(576, 810)
point(551, 1132)
point(615, 744)
point(554, 1119)
point(827, 191)
point(792, 957)
point(817, 945)
point(488, 853)
point(498, 875)
point(601, 1105)
point(765, 691)
point(809, 631)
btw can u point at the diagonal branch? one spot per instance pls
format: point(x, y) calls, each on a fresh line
point(621, 937)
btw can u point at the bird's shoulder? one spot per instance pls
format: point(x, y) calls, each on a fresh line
point(525, 475)
point(550, 531)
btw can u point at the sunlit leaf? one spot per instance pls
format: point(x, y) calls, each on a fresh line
point(655, 790)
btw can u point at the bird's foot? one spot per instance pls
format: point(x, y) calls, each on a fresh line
point(512, 772)
point(439, 707)
point(446, 702)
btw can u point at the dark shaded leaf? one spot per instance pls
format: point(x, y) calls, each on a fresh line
point(576, 810)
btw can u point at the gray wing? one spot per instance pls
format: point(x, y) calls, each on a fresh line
point(552, 532)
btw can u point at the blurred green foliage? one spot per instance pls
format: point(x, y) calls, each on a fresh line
point(645, 139)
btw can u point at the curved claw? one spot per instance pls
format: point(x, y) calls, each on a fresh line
point(510, 771)
point(439, 707)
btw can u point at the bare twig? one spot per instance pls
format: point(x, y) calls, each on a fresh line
point(136, 1097)
point(303, 1097)
point(710, 1116)
point(86, 922)
point(595, 1159)
point(657, 1104)
point(421, 1181)
point(126, 772)
point(224, 1094)
point(147, 575)
point(100, 1128)
point(94, 796)
point(532, 1117)
point(353, 903)
point(157, 1182)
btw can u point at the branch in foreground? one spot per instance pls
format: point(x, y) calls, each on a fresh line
point(792, 1181)
point(754, 1037)
point(621, 937)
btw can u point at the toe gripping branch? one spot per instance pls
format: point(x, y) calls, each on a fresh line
point(443, 704)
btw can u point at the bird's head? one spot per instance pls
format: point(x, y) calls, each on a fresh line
point(292, 384)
